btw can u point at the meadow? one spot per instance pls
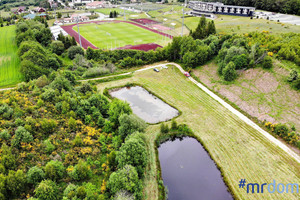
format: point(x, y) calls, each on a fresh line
point(9, 61)
point(239, 150)
point(114, 35)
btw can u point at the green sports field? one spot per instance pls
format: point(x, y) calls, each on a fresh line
point(114, 35)
point(9, 60)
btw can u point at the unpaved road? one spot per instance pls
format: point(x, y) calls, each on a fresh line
point(221, 101)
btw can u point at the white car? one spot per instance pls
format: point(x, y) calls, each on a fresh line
point(165, 67)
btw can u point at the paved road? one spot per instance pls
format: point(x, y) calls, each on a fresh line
point(221, 101)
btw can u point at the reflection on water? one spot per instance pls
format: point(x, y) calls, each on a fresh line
point(189, 173)
point(145, 105)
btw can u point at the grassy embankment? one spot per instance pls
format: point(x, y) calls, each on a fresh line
point(9, 60)
point(238, 149)
point(263, 94)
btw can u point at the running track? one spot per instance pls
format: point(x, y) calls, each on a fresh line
point(85, 43)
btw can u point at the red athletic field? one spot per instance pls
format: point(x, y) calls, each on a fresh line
point(86, 43)
point(142, 47)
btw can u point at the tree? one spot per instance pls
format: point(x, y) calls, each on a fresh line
point(117, 108)
point(2, 187)
point(30, 71)
point(55, 170)
point(35, 175)
point(130, 124)
point(125, 179)
point(240, 61)
point(57, 47)
point(229, 72)
point(133, 152)
point(47, 190)
point(211, 29)
point(111, 15)
point(73, 50)
point(59, 15)
point(15, 182)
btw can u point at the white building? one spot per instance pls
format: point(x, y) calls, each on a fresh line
point(74, 2)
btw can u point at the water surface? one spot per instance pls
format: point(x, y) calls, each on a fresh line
point(145, 105)
point(189, 173)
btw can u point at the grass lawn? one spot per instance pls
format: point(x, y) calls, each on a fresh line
point(106, 11)
point(237, 24)
point(9, 60)
point(238, 149)
point(114, 35)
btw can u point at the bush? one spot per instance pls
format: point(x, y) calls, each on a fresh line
point(30, 71)
point(60, 83)
point(21, 135)
point(8, 159)
point(164, 128)
point(35, 175)
point(229, 72)
point(15, 182)
point(70, 191)
point(267, 62)
point(47, 190)
point(48, 126)
point(4, 135)
point(73, 50)
point(55, 170)
point(81, 171)
point(130, 124)
point(48, 95)
point(281, 130)
point(48, 146)
point(6, 111)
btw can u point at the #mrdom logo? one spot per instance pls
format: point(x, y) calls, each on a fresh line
point(269, 187)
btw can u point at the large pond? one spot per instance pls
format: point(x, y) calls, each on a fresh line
point(145, 105)
point(189, 173)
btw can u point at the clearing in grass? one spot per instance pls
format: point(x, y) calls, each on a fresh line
point(115, 35)
point(9, 61)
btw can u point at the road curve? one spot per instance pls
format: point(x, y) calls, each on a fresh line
point(217, 98)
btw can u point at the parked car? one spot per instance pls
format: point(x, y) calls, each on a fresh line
point(165, 67)
point(156, 70)
point(187, 74)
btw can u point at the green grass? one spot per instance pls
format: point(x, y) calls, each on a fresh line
point(237, 24)
point(238, 149)
point(111, 35)
point(9, 60)
point(106, 11)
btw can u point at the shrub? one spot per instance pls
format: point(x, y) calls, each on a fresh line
point(81, 171)
point(60, 83)
point(35, 175)
point(73, 50)
point(6, 111)
point(15, 182)
point(164, 128)
point(48, 95)
point(267, 62)
point(4, 135)
point(81, 192)
point(70, 191)
point(55, 170)
point(229, 72)
point(21, 135)
point(48, 146)
point(8, 159)
point(47, 190)
point(281, 130)
point(48, 126)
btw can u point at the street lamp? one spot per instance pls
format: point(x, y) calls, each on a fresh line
point(77, 19)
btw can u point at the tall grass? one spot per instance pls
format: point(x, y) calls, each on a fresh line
point(9, 60)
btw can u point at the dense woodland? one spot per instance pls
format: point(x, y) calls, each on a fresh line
point(282, 6)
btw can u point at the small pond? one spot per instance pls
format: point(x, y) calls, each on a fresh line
point(145, 105)
point(189, 173)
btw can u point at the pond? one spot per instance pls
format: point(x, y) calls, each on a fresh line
point(189, 173)
point(145, 105)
